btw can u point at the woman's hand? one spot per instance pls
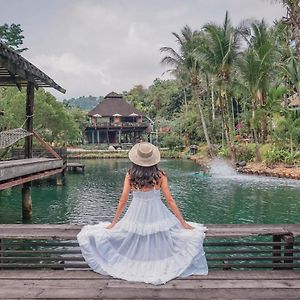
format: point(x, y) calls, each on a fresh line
point(111, 225)
point(187, 226)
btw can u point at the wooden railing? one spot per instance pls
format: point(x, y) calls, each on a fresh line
point(118, 125)
point(236, 246)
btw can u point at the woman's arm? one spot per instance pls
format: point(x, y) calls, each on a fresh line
point(122, 201)
point(171, 202)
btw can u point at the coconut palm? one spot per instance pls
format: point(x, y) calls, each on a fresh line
point(256, 68)
point(292, 19)
point(186, 65)
point(218, 54)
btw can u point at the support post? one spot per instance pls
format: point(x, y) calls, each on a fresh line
point(26, 201)
point(120, 136)
point(93, 136)
point(59, 179)
point(26, 190)
point(277, 256)
point(288, 250)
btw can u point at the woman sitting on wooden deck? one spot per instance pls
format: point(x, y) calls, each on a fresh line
point(149, 244)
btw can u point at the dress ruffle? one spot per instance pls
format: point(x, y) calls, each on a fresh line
point(153, 252)
point(145, 229)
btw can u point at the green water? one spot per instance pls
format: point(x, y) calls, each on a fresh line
point(222, 198)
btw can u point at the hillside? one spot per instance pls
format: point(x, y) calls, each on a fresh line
point(83, 102)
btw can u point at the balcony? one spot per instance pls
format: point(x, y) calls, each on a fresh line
point(118, 125)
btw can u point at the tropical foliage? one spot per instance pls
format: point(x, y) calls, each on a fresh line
point(231, 89)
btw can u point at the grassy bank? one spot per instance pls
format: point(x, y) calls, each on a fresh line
point(105, 154)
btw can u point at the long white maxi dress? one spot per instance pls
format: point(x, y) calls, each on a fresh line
point(147, 245)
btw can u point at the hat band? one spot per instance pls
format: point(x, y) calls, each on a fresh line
point(144, 154)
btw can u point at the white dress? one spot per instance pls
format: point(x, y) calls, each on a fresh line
point(147, 245)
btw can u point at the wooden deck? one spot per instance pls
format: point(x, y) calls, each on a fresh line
point(16, 172)
point(73, 166)
point(89, 285)
point(44, 262)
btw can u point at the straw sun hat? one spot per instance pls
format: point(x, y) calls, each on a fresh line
point(144, 154)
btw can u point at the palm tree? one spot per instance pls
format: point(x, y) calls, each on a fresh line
point(218, 54)
point(186, 65)
point(256, 67)
point(293, 20)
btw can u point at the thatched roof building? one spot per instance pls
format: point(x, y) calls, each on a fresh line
point(113, 104)
point(115, 121)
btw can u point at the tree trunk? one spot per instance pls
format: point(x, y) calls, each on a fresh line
point(295, 15)
point(185, 101)
point(213, 104)
point(257, 152)
point(292, 19)
point(224, 123)
point(198, 98)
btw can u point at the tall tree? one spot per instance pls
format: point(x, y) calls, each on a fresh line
point(292, 18)
point(12, 36)
point(257, 66)
point(185, 62)
point(219, 52)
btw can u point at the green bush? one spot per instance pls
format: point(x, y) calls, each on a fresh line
point(292, 158)
point(279, 155)
point(170, 140)
point(224, 152)
point(245, 152)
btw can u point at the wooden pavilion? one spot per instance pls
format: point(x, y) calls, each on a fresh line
point(15, 70)
point(115, 121)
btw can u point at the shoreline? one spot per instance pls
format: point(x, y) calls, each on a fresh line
point(251, 168)
point(278, 170)
point(257, 168)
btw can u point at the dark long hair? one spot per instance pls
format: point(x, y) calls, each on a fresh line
point(144, 176)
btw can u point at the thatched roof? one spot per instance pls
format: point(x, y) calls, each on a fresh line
point(16, 70)
point(113, 104)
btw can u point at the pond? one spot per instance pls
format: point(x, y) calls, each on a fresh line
point(222, 197)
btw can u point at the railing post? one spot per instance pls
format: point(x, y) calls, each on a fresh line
point(288, 250)
point(277, 256)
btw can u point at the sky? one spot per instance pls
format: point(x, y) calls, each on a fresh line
point(93, 47)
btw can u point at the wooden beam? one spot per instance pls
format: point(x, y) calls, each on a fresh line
point(14, 79)
point(30, 178)
point(45, 145)
point(16, 64)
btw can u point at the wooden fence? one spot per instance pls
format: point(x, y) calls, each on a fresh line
point(238, 246)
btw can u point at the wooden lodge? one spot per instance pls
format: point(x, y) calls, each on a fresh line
point(114, 121)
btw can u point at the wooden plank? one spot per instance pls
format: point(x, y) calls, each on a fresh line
point(52, 283)
point(15, 182)
point(211, 284)
point(24, 167)
point(90, 275)
point(214, 231)
point(46, 146)
point(71, 292)
point(243, 293)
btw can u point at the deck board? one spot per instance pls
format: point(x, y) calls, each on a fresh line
point(21, 167)
point(214, 230)
point(89, 285)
